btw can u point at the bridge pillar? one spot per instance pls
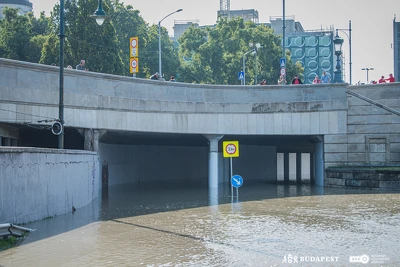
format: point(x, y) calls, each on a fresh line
point(319, 163)
point(6, 141)
point(213, 160)
point(91, 138)
point(312, 168)
point(298, 168)
point(286, 167)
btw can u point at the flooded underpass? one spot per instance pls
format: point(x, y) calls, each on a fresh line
point(176, 224)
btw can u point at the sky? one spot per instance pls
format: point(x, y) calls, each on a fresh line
point(372, 23)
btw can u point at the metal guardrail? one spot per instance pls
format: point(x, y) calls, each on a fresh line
point(8, 229)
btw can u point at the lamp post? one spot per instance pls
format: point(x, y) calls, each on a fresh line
point(252, 51)
point(159, 42)
point(283, 35)
point(255, 49)
point(348, 37)
point(100, 16)
point(367, 69)
point(338, 42)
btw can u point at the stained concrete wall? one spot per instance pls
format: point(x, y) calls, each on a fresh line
point(36, 183)
point(372, 136)
point(133, 164)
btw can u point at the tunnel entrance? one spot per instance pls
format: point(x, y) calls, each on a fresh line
point(144, 157)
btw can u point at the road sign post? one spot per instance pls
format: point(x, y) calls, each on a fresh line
point(231, 150)
point(237, 181)
point(282, 63)
point(134, 55)
point(241, 76)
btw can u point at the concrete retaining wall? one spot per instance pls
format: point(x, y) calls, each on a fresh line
point(372, 136)
point(363, 178)
point(36, 183)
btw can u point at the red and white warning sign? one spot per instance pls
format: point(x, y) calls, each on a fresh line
point(134, 65)
point(231, 149)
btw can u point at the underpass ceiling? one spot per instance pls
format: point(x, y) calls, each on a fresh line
point(282, 142)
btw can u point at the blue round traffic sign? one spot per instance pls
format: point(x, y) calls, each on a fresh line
point(236, 181)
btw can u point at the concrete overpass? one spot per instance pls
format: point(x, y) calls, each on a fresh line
point(169, 130)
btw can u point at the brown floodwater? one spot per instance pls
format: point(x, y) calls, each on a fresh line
point(177, 225)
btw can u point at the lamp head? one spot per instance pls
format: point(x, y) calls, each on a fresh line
point(99, 14)
point(338, 42)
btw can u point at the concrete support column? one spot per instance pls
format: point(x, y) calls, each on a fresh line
point(298, 167)
point(88, 140)
point(213, 160)
point(96, 137)
point(312, 168)
point(319, 163)
point(286, 167)
point(91, 138)
point(7, 141)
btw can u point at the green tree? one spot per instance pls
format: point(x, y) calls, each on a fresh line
point(15, 33)
point(215, 55)
point(128, 23)
point(85, 39)
point(169, 53)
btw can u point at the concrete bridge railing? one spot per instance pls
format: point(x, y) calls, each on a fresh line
point(30, 92)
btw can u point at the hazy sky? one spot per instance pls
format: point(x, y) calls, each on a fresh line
point(372, 23)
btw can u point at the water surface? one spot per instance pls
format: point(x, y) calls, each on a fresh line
point(186, 225)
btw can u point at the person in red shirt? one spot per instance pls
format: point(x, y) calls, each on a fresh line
point(391, 78)
point(382, 80)
point(316, 80)
point(296, 80)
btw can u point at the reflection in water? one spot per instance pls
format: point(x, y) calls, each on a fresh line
point(181, 225)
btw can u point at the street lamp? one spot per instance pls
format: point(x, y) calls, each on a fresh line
point(283, 34)
point(367, 69)
point(99, 14)
point(252, 51)
point(338, 42)
point(348, 37)
point(99, 19)
point(159, 41)
point(256, 47)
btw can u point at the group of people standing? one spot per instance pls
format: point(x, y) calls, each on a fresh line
point(296, 80)
point(390, 79)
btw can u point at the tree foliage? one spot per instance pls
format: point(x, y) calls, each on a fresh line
point(215, 55)
point(15, 33)
point(201, 55)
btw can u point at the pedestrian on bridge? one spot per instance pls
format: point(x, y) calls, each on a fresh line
point(325, 77)
point(296, 80)
point(391, 79)
point(281, 80)
point(154, 76)
point(81, 65)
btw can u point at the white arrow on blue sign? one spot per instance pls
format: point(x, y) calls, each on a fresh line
point(236, 181)
point(283, 62)
point(241, 75)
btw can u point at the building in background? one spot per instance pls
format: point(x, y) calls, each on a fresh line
point(24, 6)
point(396, 49)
